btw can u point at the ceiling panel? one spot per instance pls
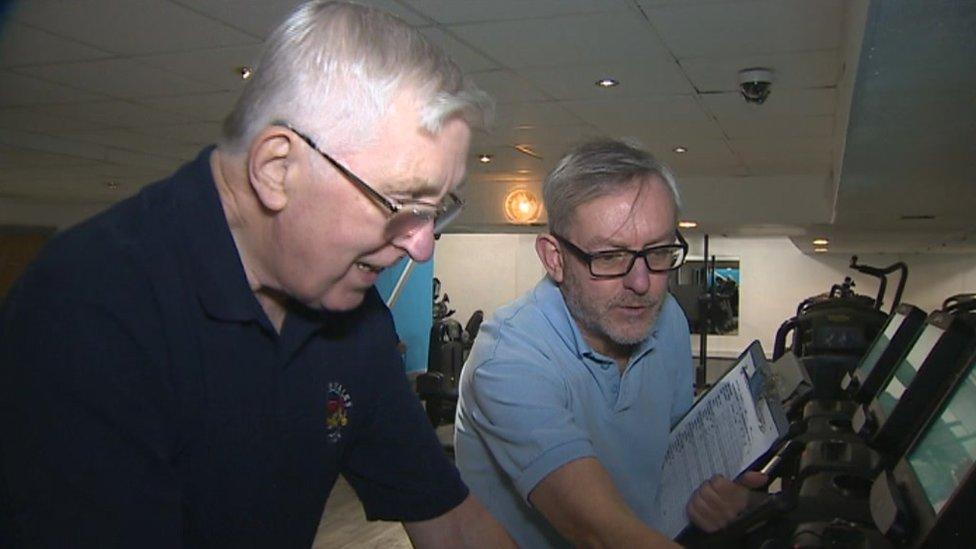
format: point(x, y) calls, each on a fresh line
point(133, 27)
point(37, 121)
point(205, 107)
point(759, 127)
point(467, 58)
point(676, 116)
point(564, 41)
point(134, 141)
point(13, 157)
point(784, 150)
point(452, 11)
point(743, 28)
point(118, 114)
point(22, 45)
point(814, 69)
point(119, 78)
point(259, 17)
point(505, 86)
point(534, 135)
point(217, 67)
point(20, 90)
point(197, 133)
point(808, 102)
point(653, 76)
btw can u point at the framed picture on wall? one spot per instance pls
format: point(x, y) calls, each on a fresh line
point(690, 286)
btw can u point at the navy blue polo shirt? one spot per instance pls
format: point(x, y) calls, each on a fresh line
point(146, 400)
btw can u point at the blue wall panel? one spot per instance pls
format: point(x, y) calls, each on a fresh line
point(413, 311)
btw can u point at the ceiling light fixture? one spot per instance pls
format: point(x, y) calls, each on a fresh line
point(821, 242)
point(687, 224)
point(245, 72)
point(820, 250)
point(522, 206)
point(607, 82)
point(680, 149)
point(527, 150)
point(112, 185)
point(485, 158)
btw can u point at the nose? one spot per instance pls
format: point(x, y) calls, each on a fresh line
point(638, 280)
point(419, 243)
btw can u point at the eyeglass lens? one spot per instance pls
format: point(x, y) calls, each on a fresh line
point(619, 264)
point(413, 217)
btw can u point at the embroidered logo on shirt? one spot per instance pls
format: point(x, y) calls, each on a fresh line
point(337, 405)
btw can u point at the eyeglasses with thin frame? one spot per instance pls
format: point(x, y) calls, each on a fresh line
point(404, 217)
point(617, 263)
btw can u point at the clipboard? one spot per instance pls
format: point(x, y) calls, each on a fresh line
point(726, 432)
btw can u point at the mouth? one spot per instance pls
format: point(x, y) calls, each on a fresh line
point(366, 267)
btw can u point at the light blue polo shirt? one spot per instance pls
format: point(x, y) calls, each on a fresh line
point(534, 397)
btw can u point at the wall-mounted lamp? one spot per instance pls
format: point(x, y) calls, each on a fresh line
point(522, 206)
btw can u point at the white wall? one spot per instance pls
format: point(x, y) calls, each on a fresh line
point(486, 271)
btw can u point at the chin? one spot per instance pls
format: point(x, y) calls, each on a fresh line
point(339, 300)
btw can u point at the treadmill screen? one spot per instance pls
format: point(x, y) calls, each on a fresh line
point(906, 370)
point(946, 451)
point(878, 347)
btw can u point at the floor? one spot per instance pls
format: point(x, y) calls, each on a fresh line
point(344, 525)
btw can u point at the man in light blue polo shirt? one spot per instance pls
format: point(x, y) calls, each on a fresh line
point(570, 391)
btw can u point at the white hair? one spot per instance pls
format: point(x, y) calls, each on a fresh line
point(333, 69)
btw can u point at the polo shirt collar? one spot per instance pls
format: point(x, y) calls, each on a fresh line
point(214, 262)
point(553, 305)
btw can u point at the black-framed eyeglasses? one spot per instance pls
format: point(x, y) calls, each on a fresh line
point(617, 263)
point(404, 217)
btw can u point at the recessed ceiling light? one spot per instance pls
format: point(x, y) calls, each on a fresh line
point(680, 149)
point(687, 224)
point(820, 250)
point(112, 185)
point(527, 150)
point(523, 172)
point(485, 158)
point(607, 82)
point(245, 72)
point(821, 242)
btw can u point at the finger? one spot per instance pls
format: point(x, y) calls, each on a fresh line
point(717, 501)
point(753, 479)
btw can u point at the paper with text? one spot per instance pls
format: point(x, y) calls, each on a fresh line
point(723, 434)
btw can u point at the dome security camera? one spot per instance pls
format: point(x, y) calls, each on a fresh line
point(755, 84)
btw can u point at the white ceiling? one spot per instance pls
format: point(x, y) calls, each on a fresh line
point(99, 97)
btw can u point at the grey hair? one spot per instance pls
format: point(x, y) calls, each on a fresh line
point(333, 69)
point(595, 169)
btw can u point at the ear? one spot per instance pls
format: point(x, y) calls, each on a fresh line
point(548, 250)
point(269, 162)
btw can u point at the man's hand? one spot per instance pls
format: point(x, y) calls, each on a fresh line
point(718, 501)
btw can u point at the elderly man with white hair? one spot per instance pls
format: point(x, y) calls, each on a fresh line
point(197, 365)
